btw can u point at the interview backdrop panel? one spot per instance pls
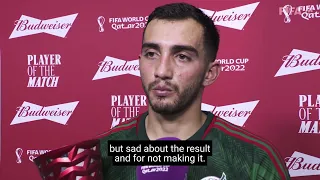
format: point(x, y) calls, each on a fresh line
point(70, 71)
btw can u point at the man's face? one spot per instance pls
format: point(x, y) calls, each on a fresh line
point(172, 64)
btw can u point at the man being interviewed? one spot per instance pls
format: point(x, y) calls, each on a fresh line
point(177, 62)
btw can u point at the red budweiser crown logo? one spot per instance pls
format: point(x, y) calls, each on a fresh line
point(81, 161)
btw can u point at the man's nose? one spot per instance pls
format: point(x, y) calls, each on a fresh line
point(164, 68)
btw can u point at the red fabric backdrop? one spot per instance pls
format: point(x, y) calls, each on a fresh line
point(269, 84)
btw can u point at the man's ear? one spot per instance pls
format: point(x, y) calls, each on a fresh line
point(212, 73)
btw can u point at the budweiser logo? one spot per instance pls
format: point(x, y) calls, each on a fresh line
point(299, 61)
point(111, 67)
point(300, 164)
point(235, 18)
point(27, 25)
point(28, 112)
point(236, 113)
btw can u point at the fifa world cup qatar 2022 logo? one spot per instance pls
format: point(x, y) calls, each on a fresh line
point(306, 12)
point(31, 154)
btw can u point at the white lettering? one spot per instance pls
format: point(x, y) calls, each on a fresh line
point(43, 81)
point(306, 127)
point(308, 99)
point(116, 121)
point(44, 59)
point(128, 100)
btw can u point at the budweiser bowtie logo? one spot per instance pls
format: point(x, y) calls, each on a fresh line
point(299, 61)
point(300, 164)
point(235, 113)
point(28, 112)
point(235, 18)
point(27, 25)
point(111, 67)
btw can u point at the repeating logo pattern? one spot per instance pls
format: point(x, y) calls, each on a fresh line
point(27, 25)
point(301, 164)
point(47, 70)
point(235, 113)
point(111, 67)
point(299, 61)
point(28, 112)
point(235, 18)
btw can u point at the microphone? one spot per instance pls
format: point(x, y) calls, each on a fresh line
point(162, 172)
point(80, 161)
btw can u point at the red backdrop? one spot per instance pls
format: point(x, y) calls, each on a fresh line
point(68, 73)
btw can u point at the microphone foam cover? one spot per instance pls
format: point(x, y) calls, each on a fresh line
point(162, 172)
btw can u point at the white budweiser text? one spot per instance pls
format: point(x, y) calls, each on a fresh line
point(22, 25)
point(26, 111)
point(231, 17)
point(231, 113)
point(107, 66)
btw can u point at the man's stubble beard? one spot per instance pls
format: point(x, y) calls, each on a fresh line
point(182, 100)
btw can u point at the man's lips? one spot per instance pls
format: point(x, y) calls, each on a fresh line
point(162, 88)
point(162, 91)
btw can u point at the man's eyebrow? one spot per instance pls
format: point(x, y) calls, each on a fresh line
point(175, 48)
point(151, 45)
point(178, 48)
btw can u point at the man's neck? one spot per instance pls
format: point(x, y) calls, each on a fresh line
point(182, 125)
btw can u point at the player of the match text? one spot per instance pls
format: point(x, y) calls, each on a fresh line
point(160, 152)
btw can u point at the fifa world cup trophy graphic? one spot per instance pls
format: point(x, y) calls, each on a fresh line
point(19, 152)
point(81, 161)
point(287, 10)
point(101, 21)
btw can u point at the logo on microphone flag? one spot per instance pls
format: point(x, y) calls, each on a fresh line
point(223, 177)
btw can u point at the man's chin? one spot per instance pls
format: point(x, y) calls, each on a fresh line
point(164, 111)
point(160, 101)
point(164, 107)
point(161, 104)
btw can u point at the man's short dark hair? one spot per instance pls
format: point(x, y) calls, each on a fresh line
point(182, 11)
